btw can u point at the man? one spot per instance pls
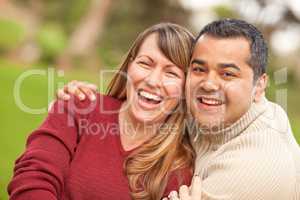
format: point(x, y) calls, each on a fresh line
point(244, 143)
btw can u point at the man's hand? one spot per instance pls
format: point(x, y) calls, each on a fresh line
point(79, 89)
point(186, 193)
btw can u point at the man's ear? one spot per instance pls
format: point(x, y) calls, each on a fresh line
point(260, 87)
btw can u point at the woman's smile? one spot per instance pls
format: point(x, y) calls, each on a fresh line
point(149, 100)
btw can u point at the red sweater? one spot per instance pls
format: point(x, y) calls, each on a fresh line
point(77, 154)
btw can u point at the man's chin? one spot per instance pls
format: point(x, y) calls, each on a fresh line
point(211, 126)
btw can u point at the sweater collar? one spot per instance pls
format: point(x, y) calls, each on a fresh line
point(226, 134)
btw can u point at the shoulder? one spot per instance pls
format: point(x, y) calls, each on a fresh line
point(263, 167)
point(274, 119)
point(107, 103)
point(257, 149)
point(70, 120)
point(83, 108)
point(250, 172)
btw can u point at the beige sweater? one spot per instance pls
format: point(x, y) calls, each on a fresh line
point(255, 158)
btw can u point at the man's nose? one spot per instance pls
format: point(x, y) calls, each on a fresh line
point(210, 83)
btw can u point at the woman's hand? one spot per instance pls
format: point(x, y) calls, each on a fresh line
point(79, 89)
point(187, 193)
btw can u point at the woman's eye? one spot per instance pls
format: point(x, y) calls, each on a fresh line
point(143, 64)
point(173, 74)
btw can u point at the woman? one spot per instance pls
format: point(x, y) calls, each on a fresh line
point(138, 153)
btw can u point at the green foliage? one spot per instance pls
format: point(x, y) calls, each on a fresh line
point(74, 10)
point(110, 58)
point(11, 34)
point(224, 11)
point(52, 40)
point(126, 20)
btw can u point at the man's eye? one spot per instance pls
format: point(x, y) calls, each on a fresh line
point(228, 74)
point(198, 69)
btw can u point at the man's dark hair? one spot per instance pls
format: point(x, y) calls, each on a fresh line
point(234, 28)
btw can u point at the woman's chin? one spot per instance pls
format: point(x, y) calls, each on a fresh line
point(147, 117)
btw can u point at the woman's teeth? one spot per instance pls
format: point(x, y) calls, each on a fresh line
point(150, 97)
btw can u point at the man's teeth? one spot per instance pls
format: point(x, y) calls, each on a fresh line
point(150, 96)
point(214, 102)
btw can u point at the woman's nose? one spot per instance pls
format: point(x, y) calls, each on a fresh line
point(154, 78)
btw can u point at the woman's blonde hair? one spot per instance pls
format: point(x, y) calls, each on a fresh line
point(148, 167)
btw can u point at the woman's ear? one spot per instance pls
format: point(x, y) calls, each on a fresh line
point(260, 87)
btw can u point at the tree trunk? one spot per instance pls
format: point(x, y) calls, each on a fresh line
point(84, 39)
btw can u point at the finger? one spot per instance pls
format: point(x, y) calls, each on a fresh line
point(89, 89)
point(165, 198)
point(73, 82)
point(62, 95)
point(81, 89)
point(196, 188)
point(184, 192)
point(89, 93)
point(173, 195)
point(92, 86)
point(73, 89)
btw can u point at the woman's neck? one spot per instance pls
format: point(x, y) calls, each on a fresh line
point(133, 132)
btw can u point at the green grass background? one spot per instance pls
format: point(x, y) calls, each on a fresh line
point(15, 125)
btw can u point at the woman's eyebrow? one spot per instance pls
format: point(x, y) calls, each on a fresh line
point(173, 66)
point(146, 57)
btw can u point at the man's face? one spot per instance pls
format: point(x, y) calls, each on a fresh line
point(220, 86)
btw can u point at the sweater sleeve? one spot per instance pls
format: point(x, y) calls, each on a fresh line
point(39, 172)
point(254, 172)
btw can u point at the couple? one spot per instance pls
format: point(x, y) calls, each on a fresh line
point(235, 144)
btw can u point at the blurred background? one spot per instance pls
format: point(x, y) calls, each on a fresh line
point(44, 44)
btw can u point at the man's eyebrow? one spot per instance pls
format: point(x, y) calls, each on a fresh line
point(228, 65)
point(198, 61)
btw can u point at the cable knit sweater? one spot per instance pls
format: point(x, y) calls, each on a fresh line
point(256, 158)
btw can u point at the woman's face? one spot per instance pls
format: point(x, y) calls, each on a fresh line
point(155, 84)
